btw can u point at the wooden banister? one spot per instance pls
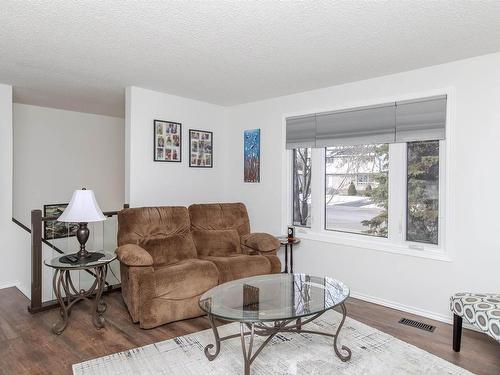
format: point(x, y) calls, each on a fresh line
point(36, 259)
point(37, 240)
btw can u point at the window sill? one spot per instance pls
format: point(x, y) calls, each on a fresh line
point(376, 244)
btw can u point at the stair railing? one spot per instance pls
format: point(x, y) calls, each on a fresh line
point(37, 220)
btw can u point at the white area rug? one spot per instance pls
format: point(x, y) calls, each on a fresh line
point(373, 352)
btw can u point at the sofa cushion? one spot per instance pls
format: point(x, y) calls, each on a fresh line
point(169, 250)
point(262, 242)
point(217, 242)
point(185, 279)
point(237, 266)
point(220, 216)
point(164, 232)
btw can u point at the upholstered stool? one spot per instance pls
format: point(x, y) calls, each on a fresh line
point(480, 310)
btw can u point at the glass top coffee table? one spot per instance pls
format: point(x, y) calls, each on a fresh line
point(270, 304)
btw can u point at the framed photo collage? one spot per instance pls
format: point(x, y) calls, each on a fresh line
point(168, 144)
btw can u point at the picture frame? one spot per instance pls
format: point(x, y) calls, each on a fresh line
point(251, 155)
point(56, 229)
point(167, 141)
point(201, 148)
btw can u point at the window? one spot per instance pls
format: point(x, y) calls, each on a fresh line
point(302, 187)
point(386, 191)
point(356, 191)
point(422, 211)
point(377, 178)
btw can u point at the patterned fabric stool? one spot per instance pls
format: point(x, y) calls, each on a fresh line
point(480, 310)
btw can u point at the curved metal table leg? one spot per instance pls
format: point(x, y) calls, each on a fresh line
point(247, 355)
point(209, 347)
point(99, 306)
point(57, 282)
point(298, 322)
point(346, 357)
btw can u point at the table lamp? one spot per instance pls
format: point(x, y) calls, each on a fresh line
point(83, 209)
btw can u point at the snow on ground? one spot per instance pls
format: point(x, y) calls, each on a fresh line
point(338, 199)
point(351, 200)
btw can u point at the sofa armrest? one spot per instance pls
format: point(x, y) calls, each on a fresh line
point(260, 242)
point(138, 289)
point(134, 256)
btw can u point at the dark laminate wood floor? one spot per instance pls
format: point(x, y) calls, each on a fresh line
point(27, 345)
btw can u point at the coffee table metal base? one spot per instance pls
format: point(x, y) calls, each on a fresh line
point(262, 329)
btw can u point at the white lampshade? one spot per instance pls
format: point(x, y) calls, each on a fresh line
point(82, 208)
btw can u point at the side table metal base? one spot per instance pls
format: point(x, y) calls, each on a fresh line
point(288, 245)
point(67, 296)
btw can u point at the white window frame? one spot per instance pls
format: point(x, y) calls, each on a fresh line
point(396, 240)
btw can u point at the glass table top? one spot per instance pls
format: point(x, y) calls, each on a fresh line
point(56, 262)
point(273, 297)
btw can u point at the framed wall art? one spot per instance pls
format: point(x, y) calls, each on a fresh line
point(201, 148)
point(167, 141)
point(251, 155)
point(57, 229)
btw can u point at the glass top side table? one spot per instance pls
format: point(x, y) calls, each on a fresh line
point(68, 295)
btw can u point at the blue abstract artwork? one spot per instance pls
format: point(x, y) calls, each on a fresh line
point(252, 155)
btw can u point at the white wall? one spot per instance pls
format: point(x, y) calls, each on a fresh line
point(152, 183)
point(423, 285)
point(57, 151)
point(15, 264)
point(7, 273)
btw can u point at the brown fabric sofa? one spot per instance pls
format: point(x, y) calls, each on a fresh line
point(170, 256)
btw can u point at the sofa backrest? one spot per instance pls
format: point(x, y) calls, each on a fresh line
point(217, 227)
point(164, 232)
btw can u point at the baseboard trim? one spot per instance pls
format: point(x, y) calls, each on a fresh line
point(24, 290)
point(10, 284)
point(409, 309)
point(18, 285)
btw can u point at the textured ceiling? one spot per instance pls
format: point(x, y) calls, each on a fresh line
point(80, 55)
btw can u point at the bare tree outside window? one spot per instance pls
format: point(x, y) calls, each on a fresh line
point(423, 192)
point(356, 190)
point(302, 187)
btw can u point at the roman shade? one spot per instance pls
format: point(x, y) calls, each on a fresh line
point(301, 131)
point(421, 119)
point(374, 124)
point(404, 121)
